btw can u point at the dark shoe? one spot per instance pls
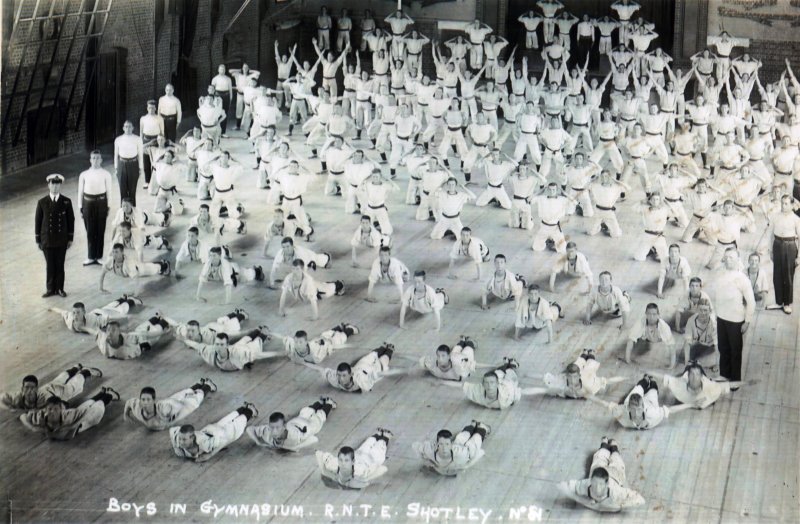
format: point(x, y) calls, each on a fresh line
point(48, 294)
point(252, 408)
point(61, 293)
point(94, 372)
point(111, 391)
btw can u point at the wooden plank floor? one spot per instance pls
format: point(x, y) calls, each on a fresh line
point(734, 462)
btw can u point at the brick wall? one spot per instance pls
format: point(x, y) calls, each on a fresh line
point(130, 27)
point(20, 65)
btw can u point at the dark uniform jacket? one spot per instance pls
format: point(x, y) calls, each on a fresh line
point(55, 222)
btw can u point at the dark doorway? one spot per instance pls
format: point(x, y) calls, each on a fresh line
point(105, 103)
point(41, 144)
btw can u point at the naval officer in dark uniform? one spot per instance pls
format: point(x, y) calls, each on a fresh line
point(55, 226)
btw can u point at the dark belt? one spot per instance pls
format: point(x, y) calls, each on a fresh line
point(403, 137)
point(348, 90)
point(604, 208)
point(510, 121)
point(208, 127)
point(607, 139)
point(654, 233)
point(223, 190)
point(495, 186)
point(557, 224)
point(553, 150)
point(743, 206)
point(731, 243)
point(783, 173)
point(454, 128)
point(329, 78)
point(174, 115)
point(480, 144)
point(698, 216)
point(89, 198)
point(335, 173)
point(690, 153)
point(672, 199)
point(174, 190)
point(413, 54)
point(579, 189)
point(517, 197)
point(629, 119)
point(698, 124)
point(756, 159)
point(785, 239)
point(128, 159)
point(377, 207)
point(667, 110)
point(298, 197)
point(636, 157)
point(580, 125)
point(652, 134)
point(453, 216)
point(528, 132)
point(145, 138)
